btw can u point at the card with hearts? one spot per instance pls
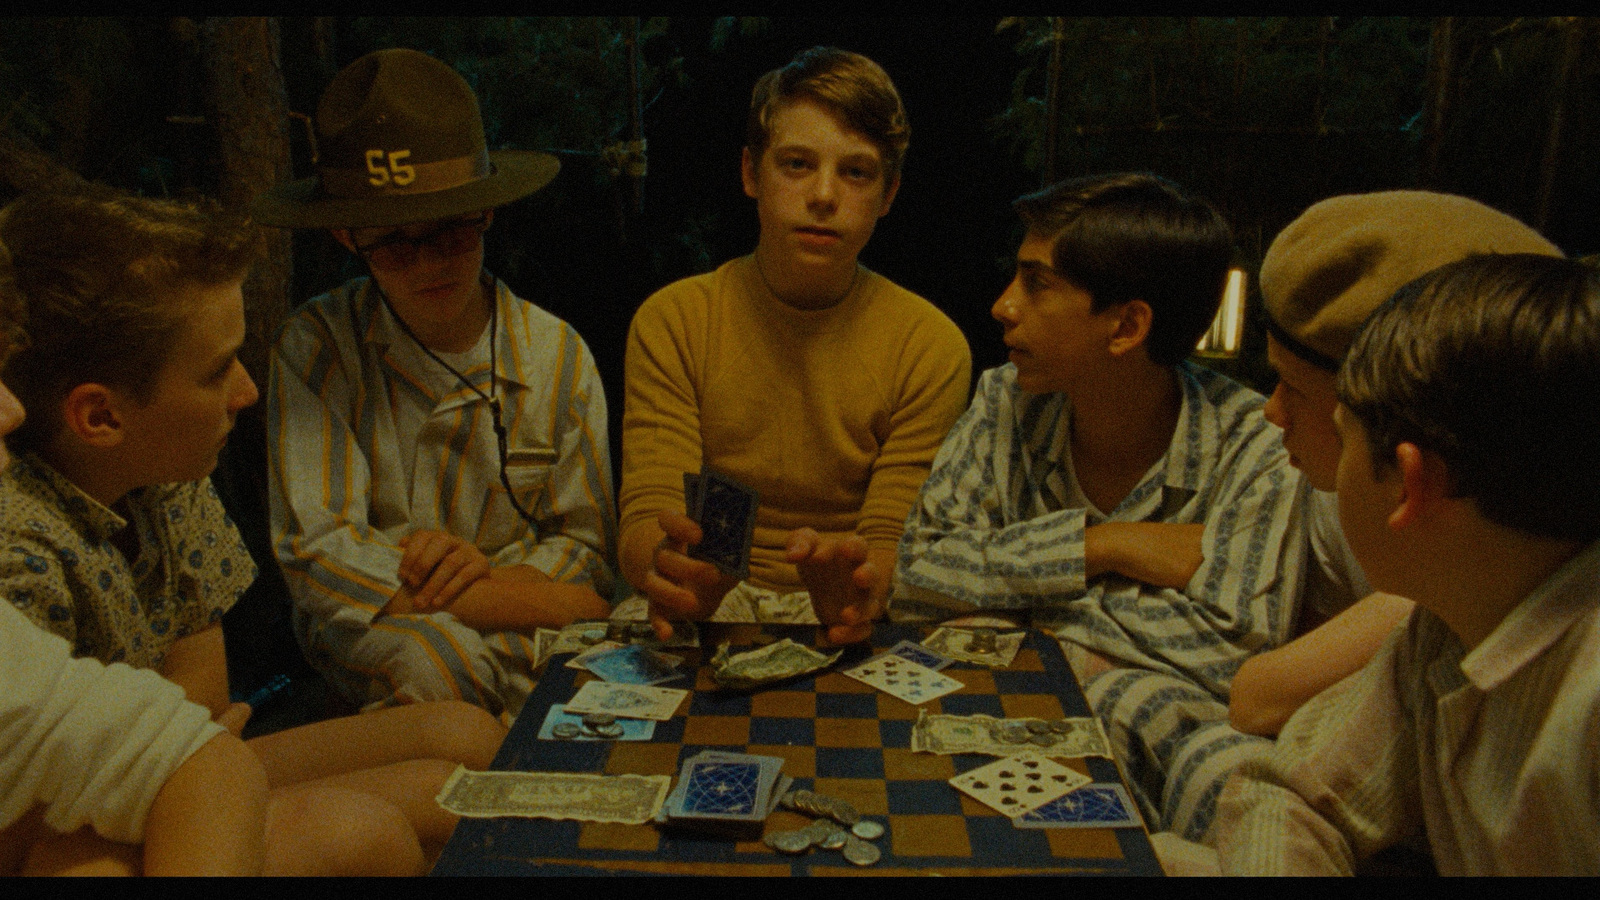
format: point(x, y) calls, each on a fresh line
point(1019, 784)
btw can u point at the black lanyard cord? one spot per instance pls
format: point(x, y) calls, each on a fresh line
point(490, 398)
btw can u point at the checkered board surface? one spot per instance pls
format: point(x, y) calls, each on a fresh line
point(836, 736)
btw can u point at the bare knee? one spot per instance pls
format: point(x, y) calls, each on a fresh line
point(323, 830)
point(462, 733)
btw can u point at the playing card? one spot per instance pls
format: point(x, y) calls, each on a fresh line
point(726, 513)
point(632, 729)
point(1090, 806)
point(900, 677)
point(921, 655)
point(630, 701)
point(721, 788)
point(1019, 784)
point(633, 665)
point(577, 662)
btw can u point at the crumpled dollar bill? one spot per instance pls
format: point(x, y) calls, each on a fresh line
point(774, 662)
point(1068, 738)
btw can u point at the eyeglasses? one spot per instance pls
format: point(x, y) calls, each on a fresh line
point(450, 239)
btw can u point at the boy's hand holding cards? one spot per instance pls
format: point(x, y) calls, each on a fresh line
point(725, 510)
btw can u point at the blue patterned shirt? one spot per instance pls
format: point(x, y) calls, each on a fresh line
point(995, 528)
point(59, 566)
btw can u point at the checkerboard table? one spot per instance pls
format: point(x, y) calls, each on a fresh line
point(836, 736)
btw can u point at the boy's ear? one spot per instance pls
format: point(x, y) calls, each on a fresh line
point(889, 192)
point(747, 172)
point(1424, 482)
point(90, 411)
point(1134, 320)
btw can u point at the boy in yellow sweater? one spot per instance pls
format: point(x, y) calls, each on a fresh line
point(821, 385)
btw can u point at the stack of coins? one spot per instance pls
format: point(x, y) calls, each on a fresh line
point(602, 725)
point(983, 641)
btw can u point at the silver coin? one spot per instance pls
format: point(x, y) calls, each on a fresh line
point(614, 730)
point(791, 842)
point(818, 831)
point(787, 800)
point(867, 830)
point(835, 840)
point(566, 731)
point(598, 720)
point(591, 637)
point(860, 852)
point(1044, 740)
point(845, 814)
point(1037, 726)
point(1060, 726)
point(1014, 735)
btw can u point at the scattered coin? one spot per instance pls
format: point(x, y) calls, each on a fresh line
point(835, 840)
point(566, 731)
point(791, 842)
point(613, 731)
point(844, 813)
point(1060, 726)
point(1044, 740)
point(1037, 726)
point(860, 852)
point(597, 720)
point(867, 830)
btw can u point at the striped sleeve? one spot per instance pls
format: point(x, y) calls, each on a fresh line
point(964, 546)
point(338, 567)
point(1340, 784)
point(575, 532)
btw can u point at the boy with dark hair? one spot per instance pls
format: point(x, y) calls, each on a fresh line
point(818, 383)
point(440, 472)
point(1109, 489)
point(1468, 482)
point(111, 535)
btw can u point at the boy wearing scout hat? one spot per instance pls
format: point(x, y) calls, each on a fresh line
point(1320, 279)
point(440, 473)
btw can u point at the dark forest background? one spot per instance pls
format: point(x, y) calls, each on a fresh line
point(1264, 116)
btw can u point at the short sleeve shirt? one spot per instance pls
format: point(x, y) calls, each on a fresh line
point(58, 564)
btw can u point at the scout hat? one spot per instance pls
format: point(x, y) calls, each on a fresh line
point(1343, 257)
point(399, 139)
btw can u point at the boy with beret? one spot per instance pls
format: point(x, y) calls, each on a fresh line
point(820, 384)
point(1467, 481)
point(440, 472)
point(1107, 488)
point(1320, 279)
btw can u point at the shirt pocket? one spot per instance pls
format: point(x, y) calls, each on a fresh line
point(502, 525)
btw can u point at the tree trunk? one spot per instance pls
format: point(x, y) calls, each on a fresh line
point(1441, 89)
point(246, 101)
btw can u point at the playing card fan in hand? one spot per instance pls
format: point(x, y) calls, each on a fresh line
point(725, 510)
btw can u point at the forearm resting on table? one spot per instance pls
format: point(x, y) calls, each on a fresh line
point(1271, 686)
point(516, 598)
point(1161, 554)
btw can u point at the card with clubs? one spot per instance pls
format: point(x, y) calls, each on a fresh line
point(1091, 806)
point(900, 677)
point(1019, 784)
point(726, 513)
point(633, 665)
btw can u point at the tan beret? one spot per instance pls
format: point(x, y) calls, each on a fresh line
point(1335, 264)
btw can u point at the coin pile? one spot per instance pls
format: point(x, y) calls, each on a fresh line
point(828, 831)
point(596, 724)
point(625, 632)
point(1039, 732)
point(983, 641)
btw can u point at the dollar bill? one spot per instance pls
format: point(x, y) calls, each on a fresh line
point(774, 662)
point(622, 799)
point(1068, 738)
point(957, 643)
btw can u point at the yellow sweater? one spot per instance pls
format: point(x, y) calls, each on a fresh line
point(833, 415)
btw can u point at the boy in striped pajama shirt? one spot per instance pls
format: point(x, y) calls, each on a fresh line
point(441, 480)
point(1103, 486)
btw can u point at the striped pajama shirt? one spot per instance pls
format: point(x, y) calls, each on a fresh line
point(370, 440)
point(1000, 526)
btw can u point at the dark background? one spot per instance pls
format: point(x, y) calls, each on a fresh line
point(1264, 116)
